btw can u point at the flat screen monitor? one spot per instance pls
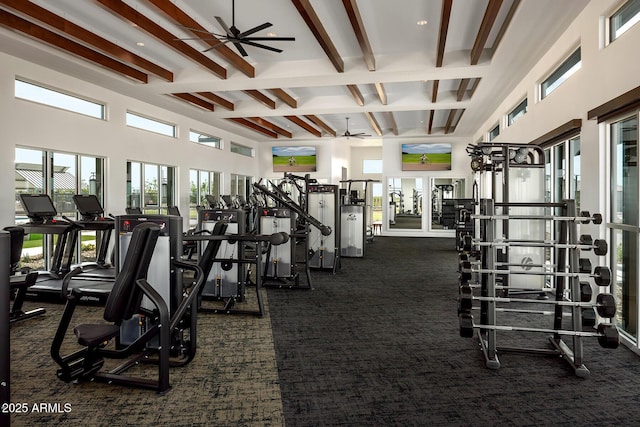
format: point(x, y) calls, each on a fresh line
point(88, 205)
point(38, 206)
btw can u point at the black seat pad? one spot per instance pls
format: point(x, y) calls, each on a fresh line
point(93, 335)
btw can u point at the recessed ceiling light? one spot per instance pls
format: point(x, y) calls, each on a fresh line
point(271, 34)
point(422, 22)
point(140, 44)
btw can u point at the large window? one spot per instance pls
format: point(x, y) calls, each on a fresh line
point(151, 125)
point(150, 187)
point(54, 98)
point(202, 183)
point(61, 176)
point(241, 186)
point(623, 19)
point(561, 74)
point(623, 222)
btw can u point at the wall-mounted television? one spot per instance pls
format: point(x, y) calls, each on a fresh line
point(294, 159)
point(426, 157)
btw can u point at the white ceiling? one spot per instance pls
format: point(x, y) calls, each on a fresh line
point(405, 56)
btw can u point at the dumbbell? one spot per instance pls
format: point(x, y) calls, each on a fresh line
point(599, 246)
point(601, 274)
point(607, 334)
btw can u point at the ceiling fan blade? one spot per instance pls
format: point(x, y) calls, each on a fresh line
point(224, 26)
point(195, 30)
point(277, 39)
point(216, 45)
point(240, 48)
point(262, 46)
point(255, 29)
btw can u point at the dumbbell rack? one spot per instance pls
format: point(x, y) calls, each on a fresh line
point(566, 276)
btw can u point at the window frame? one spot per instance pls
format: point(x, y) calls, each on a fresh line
point(145, 118)
point(60, 92)
point(519, 113)
point(236, 148)
point(561, 78)
point(217, 144)
point(611, 28)
point(490, 134)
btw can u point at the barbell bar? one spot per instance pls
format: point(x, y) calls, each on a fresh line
point(601, 274)
point(605, 304)
point(607, 334)
point(583, 218)
point(599, 246)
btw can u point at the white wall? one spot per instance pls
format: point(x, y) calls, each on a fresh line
point(29, 124)
point(606, 73)
point(392, 168)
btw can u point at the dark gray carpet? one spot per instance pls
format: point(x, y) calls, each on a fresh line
point(378, 344)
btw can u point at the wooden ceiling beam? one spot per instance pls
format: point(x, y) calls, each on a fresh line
point(392, 122)
point(304, 125)
point(448, 125)
point(191, 25)
point(284, 97)
point(194, 100)
point(374, 123)
point(253, 126)
point(457, 120)
point(444, 28)
point(488, 20)
point(474, 87)
point(217, 100)
point(271, 126)
point(505, 25)
point(14, 22)
point(313, 22)
point(129, 14)
point(81, 34)
point(261, 97)
point(319, 122)
point(351, 7)
point(382, 94)
point(357, 95)
point(462, 89)
point(434, 93)
point(430, 126)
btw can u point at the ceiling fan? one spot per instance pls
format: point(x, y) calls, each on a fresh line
point(238, 38)
point(348, 134)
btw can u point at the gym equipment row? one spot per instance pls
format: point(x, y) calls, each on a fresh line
point(573, 308)
point(153, 306)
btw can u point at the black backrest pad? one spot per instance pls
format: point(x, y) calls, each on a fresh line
point(17, 237)
point(210, 252)
point(125, 293)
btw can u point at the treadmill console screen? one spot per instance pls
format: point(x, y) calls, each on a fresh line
point(39, 207)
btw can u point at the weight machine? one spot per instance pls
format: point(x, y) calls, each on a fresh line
point(355, 227)
point(230, 272)
point(153, 323)
point(279, 219)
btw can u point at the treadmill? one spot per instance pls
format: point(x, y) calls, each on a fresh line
point(95, 286)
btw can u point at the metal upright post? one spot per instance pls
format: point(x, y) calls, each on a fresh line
point(5, 301)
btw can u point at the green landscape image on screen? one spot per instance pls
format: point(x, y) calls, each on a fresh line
point(294, 159)
point(426, 157)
